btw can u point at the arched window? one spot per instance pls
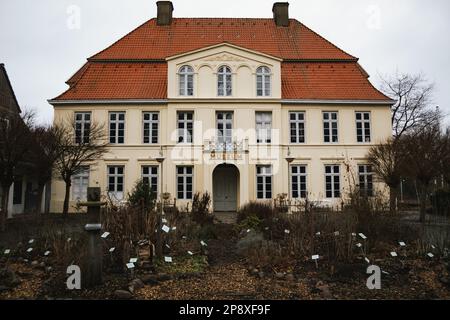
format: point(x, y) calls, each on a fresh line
point(186, 81)
point(263, 82)
point(224, 81)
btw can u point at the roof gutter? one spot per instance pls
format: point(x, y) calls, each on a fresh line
point(108, 101)
point(338, 102)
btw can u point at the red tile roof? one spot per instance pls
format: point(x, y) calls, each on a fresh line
point(134, 66)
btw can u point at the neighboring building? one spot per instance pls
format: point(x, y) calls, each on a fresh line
point(23, 192)
point(226, 101)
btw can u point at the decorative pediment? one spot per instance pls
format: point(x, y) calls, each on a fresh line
point(224, 57)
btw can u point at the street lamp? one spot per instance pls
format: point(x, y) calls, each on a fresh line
point(160, 160)
point(289, 160)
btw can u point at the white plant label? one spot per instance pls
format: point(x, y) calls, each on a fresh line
point(430, 255)
point(362, 236)
point(336, 233)
point(164, 220)
point(433, 247)
point(46, 253)
point(174, 228)
point(367, 260)
point(30, 249)
point(112, 249)
point(394, 254)
point(318, 234)
point(69, 239)
point(133, 260)
point(359, 245)
point(168, 259)
point(354, 234)
point(203, 243)
point(31, 241)
point(130, 265)
point(7, 251)
point(402, 244)
point(105, 235)
point(168, 247)
point(315, 257)
point(191, 253)
point(165, 228)
point(287, 231)
point(248, 230)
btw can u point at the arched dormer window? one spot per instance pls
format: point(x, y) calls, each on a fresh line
point(224, 81)
point(263, 82)
point(186, 81)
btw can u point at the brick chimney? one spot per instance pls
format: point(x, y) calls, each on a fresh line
point(281, 13)
point(164, 16)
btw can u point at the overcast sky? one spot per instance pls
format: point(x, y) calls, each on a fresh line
point(42, 43)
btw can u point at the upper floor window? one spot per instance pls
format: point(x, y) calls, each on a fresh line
point(117, 127)
point(297, 127)
point(224, 81)
point(263, 127)
point(330, 127)
point(224, 126)
point(186, 81)
point(185, 126)
point(151, 124)
point(82, 127)
point(363, 126)
point(263, 82)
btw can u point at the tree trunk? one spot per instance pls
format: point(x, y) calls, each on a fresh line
point(392, 199)
point(39, 198)
point(67, 198)
point(423, 202)
point(4, 206)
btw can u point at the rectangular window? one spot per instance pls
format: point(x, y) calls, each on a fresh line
point(363, 127)
point(185, 126)
point(116, 182)
point(17, 191)
point(365, 180)
point(150, 177)
point(263, 127)
point(82, 127)
point(80, 184)
point(330, 127)
point(151, 126)
point(224, 127)
point(264, 182)
point(117, 127)
point(332, 181)
point(297, 127)
point(298, 181)
point(185, 178)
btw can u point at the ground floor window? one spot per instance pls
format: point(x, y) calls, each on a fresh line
point(185, 177)
point(365, 180)
point(115, 182)
point(298, 181)
point(332, 181)
point(80, 183)
point(264, 182)
point(17, 191)
point(150, 177)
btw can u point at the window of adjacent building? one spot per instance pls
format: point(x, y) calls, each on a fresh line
point(363, 126)
point(151, 125)
point(297, 127)
point(185, 126)
point(224, 81)
point(185, 177)
point(263, 82)
point(82, 127)
point(80, 184)
point(263, 127)
point(298, 181)
point(330, 126)
point(116, 181)
point(150, 177)
point(117, 127)
point(17, 191)
point(186, 81)
point(365, 180)
point(224, 126)
point(264, 182)
point(332, 181)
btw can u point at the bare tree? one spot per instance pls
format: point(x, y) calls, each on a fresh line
point(386, 160)
point(75, 151)
point(412, 111)
point(15, 141)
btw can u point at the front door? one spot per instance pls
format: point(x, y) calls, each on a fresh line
point(225, 181)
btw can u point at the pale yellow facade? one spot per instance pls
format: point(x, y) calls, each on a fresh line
point(244, 104)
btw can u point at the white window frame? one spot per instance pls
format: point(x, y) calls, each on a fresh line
point(150, 176)
point(299, 124)
point(263, 123)
point(184, 175)
point(302, 186)
point(365, 125)
point(331, 122)
point(224, 82)
point(264, 174)
point(333, 175)
point(364, 177)
point(79, 181)
point(187, 137)
point(263, 82)
point(186, 81)
point(114, 134)
point(224, 135)
point(85, 121)
point(116, 194)
point(150, 127)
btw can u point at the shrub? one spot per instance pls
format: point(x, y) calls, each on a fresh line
point(142, 195)
point(261, 210)
point(200, 209)
point(250, 222)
